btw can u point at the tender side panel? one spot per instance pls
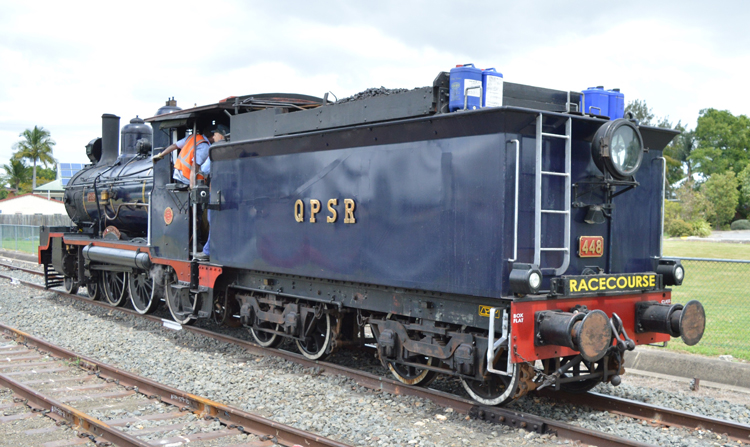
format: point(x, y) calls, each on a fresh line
point(427, 215)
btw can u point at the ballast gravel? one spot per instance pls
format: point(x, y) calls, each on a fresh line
point(331, 406)
point(334, 407)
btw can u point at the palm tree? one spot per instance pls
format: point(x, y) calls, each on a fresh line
point(16, 173)
point(35, 146)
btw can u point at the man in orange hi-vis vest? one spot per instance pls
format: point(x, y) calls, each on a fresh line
point(193, 149)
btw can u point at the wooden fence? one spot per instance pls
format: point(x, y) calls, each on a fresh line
point(35, 219)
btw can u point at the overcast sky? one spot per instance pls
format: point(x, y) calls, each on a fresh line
point(65, 63)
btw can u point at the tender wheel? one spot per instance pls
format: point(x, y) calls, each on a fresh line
point(70, 285)
point(267, 339)
point(316, 345)
point(181, 311)
point(582, 368)
point(494, 389)
point(115, 288)
point(144, 293)
point(411, 375)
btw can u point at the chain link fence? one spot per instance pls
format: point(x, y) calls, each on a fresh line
point(23, 238)
point(723, 287)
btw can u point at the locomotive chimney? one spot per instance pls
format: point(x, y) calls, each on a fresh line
point(110, 139)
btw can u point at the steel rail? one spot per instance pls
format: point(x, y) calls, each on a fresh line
point(230, 416)
point(70, 414)
point(13, 267)
point(492, 414)
point(654, 413)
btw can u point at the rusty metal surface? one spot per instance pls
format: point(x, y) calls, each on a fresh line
point(654, 414)
point(284, 434)
point(70, 414)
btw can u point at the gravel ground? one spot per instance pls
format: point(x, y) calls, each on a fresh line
point(338, 408)
point(334, 407)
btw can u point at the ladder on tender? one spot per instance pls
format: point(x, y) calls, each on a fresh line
point(538, 211)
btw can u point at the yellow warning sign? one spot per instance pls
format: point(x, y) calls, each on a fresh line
point(484, 311)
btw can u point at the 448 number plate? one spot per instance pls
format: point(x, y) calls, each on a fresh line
point(590, 246)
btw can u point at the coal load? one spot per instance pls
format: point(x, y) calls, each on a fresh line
point(371, 93)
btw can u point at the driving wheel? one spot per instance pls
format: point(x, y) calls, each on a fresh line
point(181, 309)
point(70, 285)
point(144, 293)
point(114, 285)
point(94, 288)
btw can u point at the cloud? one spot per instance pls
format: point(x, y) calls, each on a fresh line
point(64, 64)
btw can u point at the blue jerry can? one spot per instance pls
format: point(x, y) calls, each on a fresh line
point(596, 101)
point(463, 77)
point(616, 104)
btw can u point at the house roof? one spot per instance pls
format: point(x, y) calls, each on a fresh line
point(54, 185)
point(32, 195)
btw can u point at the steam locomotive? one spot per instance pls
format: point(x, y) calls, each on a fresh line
point(516, 247)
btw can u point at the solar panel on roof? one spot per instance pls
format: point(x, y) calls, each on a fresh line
point(68, 170)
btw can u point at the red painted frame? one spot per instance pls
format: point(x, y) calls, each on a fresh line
point(207, 274)
point(523, 312)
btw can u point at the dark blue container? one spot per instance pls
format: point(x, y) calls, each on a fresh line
point(461, 78)
point(492, 88)
point(596, 101)
point(616, 104)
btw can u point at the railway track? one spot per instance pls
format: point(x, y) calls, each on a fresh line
point(651, 414)
point(81, 392)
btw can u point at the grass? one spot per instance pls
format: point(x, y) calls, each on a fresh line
point(26, 246)
point(699, 249)
point(722, 288)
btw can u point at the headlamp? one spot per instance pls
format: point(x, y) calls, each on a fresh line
point(618, 148)
point(672, 271)
point(525, 279)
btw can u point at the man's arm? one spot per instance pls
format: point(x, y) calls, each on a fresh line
point(201, 153)
point(165, 152)
point(172, 147)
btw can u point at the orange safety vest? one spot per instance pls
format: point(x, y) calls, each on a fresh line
point(186, 160)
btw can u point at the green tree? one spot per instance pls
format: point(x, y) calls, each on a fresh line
point(640, 111)
point(694, 205)
point(16, 174)
point(674, 153)
point(723, 142)
point(36, 146)
point(46, 175)
point(743, 178)
point(677, 153)
point(723, 192)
